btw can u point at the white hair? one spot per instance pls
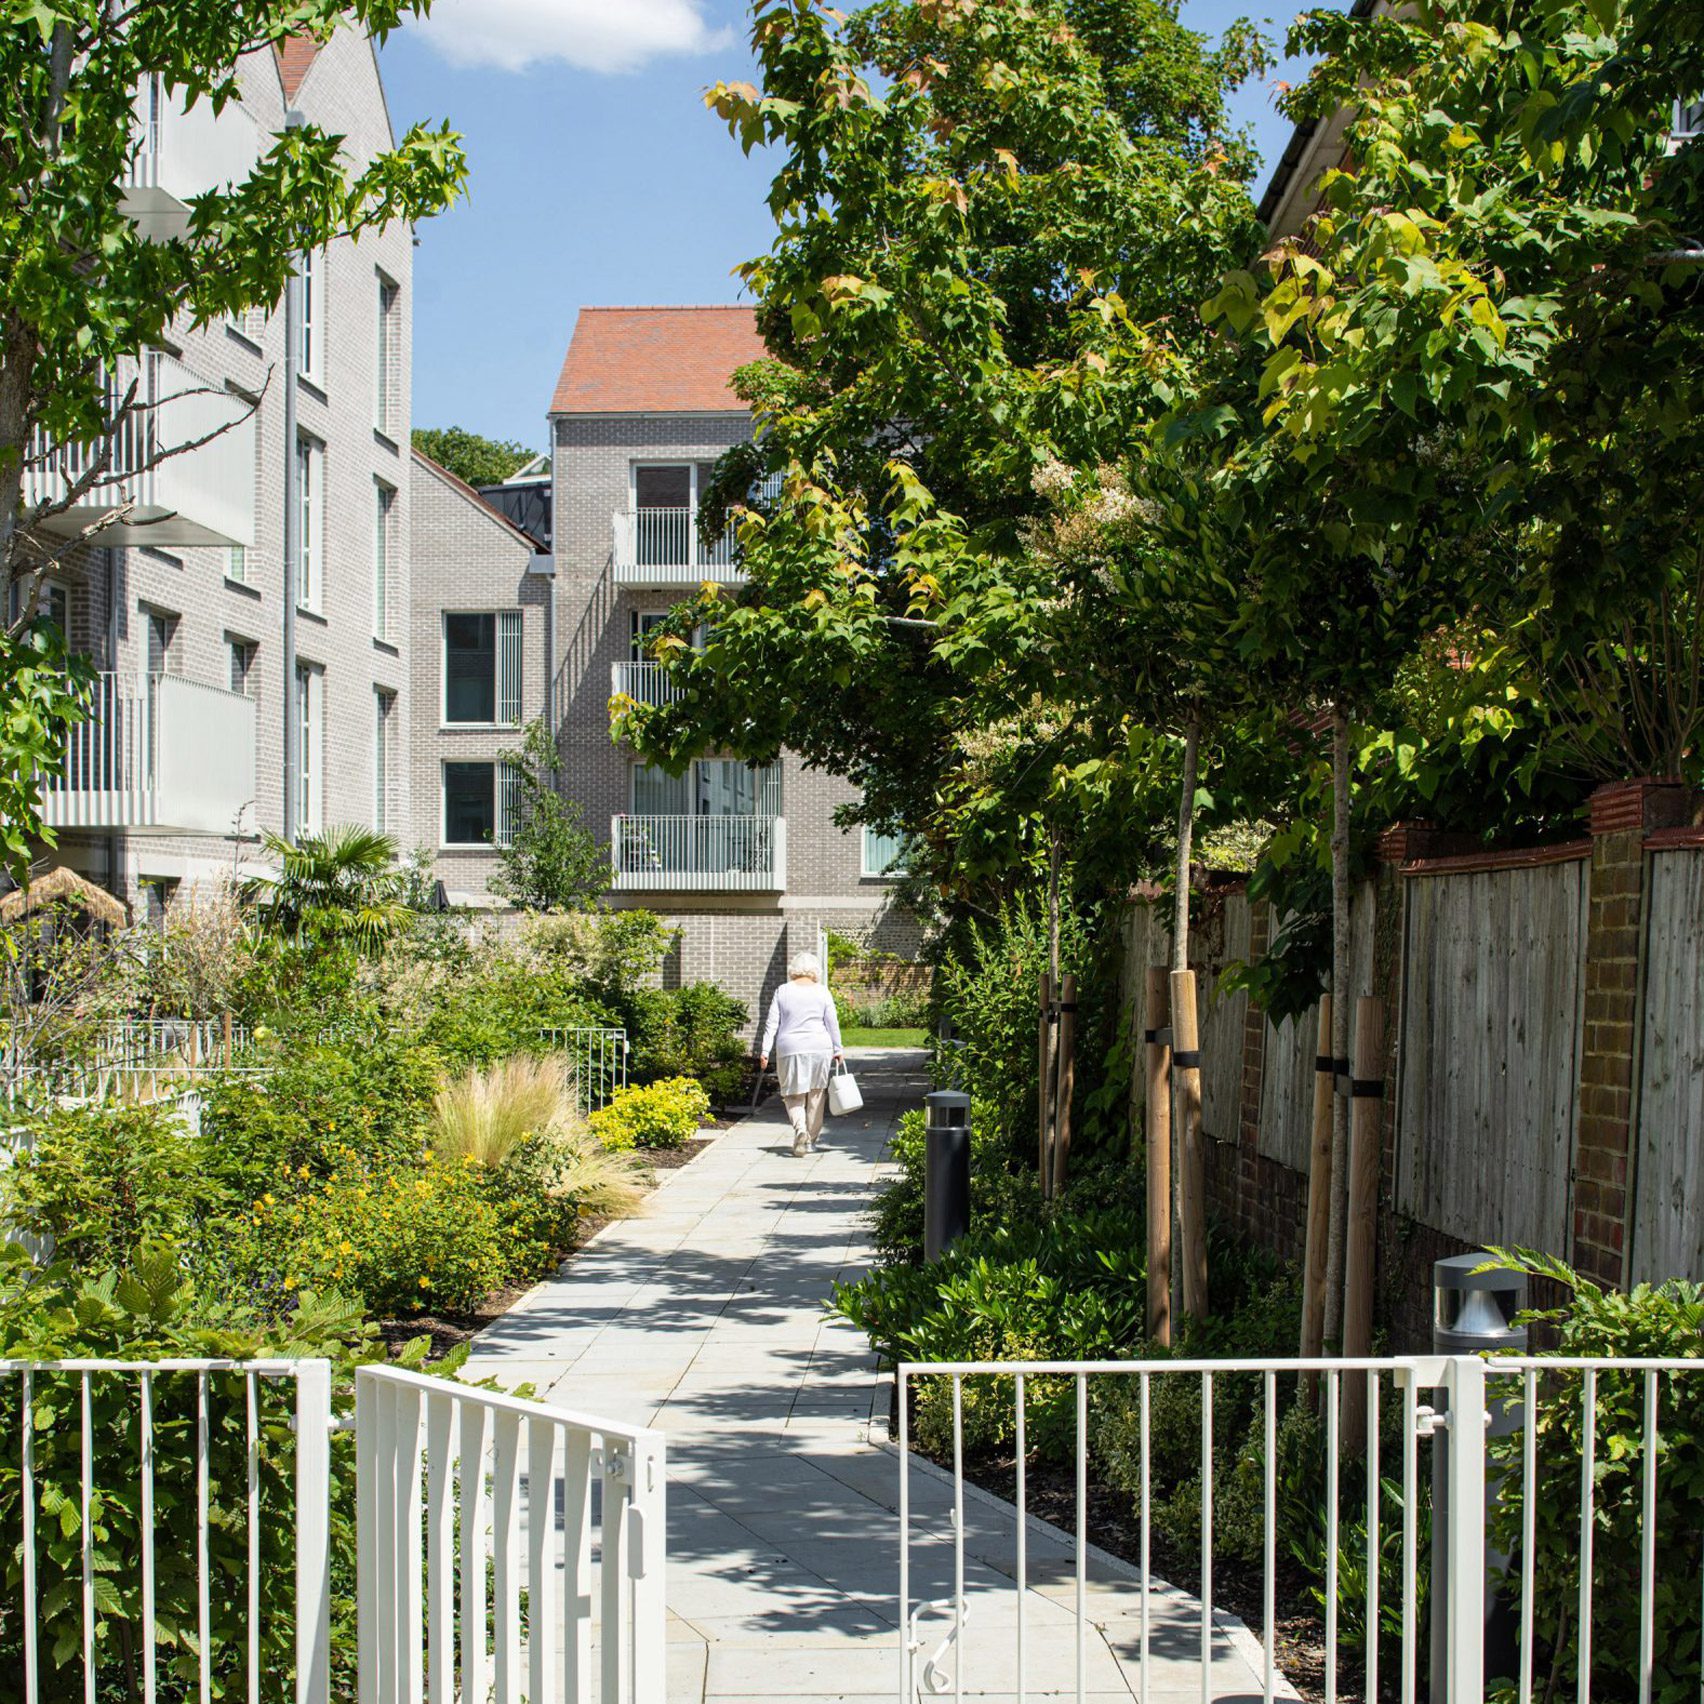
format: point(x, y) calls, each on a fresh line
point(804, 964)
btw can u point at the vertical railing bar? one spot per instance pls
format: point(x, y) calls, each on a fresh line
point(958, 1537)
point(904, 1540)
point(1410, 1497)
point(475, 1512)
point(410, 1564)
point(1648, 1546)
point(367, 1396)
point(251, 1452)
point(1588, 1472)
point(1269, 1642)
point(26, 1488)
point(203, 1560)
point(506, 1639)
point(1082, 1533)
point(1529, 1522)
point(150, 1657)
point(1332, 1424)
point(612, 1566)
point(1023, 1534)
point(1373, 1558)
point(541, 1539)
point(1144, 1379)
point(576, 1566)
point(441, 1415)
point(1206, 1538)
point(87, 1538)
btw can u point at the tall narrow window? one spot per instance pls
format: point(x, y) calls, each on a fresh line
point(384, 499)
point(470, 804)
point(384, 705)
point(311, 268)
point(162, 642)
point(385, 353)
point(482, 668)
point(310, 559)
point(236, 564)
point(242, 653)
point(310, 689)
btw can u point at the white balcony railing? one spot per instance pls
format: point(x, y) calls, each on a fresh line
point(181, 152)
point(699, 854)
point(200, 496)
point(162, 753)
point(661, 547)
point(645, 683)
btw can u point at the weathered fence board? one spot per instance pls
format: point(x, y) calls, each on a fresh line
point(1668, 1211)
point(1287, 1074)
point(1489, 1074)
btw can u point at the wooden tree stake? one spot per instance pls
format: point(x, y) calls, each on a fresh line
point(1158, 1050)
point(1192, 1159)
point(1366, 1138)
point(1319, 1197)
point(1044, 1095)
point(227, 1038)
point(1065, 1074)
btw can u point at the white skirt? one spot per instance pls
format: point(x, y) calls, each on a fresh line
point(800, 1073)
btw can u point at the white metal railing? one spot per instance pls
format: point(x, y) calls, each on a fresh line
point(597, 1061)
point(460, 1488)
point(741, 854)
point(160, 753)
point(179, 152)
point(661, 547)
point(646, 683)
point(180, 496)
point(1538, 1402)
point(178, 1466)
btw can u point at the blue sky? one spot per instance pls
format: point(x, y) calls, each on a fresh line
point(597, 177)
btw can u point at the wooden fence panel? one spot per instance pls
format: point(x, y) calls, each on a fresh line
point(1489, 1065)
point(1668, 1184)
point(1287, 1072)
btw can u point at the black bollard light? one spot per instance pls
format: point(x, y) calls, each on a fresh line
point(946, 1170)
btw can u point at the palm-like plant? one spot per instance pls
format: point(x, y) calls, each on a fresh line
point(342, 885)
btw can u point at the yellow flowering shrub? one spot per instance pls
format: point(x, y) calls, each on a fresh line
point(664, 1114)
point(425, 1236)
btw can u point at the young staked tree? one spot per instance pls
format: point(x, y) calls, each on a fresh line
point(551, 862)
point(82, 291)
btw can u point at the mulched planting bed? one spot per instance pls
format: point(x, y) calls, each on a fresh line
point(447, 1330)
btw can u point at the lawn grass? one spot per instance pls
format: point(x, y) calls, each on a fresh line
point(884, 1037)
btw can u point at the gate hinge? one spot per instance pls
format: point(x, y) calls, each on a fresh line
point(1429, 1422)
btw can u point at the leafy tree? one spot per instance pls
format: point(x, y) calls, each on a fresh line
point(479, 461)
point(552, 862)
point(342, 887)
point(82, 290)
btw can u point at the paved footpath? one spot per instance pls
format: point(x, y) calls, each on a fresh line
point(705, 1318)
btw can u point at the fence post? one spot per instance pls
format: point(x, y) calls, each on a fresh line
point(1462, 1590)
point(647, 1521)
point(313, 1532)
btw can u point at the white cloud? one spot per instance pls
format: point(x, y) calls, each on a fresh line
point(591, 35)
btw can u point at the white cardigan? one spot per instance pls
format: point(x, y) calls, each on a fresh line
point(802, 1019)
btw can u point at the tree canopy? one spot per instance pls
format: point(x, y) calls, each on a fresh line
point(477, 460)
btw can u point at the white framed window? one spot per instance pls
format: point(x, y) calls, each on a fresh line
point(241, 654)
point(387, 342)
point(310, 707)
point(160, 633)
point(884, 856)
point(53, 602)
point(384, 504)
point(236, 564)
point(481, 804)
point(482, 668)
point(310, 552)
point(384, 716)
point(311, 269)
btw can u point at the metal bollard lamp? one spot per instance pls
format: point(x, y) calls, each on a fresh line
point(946, 1170)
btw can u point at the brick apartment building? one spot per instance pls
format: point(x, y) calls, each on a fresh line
point(182, 606)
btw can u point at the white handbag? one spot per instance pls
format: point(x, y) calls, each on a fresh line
point(844, 1095)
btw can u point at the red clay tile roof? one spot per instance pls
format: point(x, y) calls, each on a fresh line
point(296, 56)
point(656, 361)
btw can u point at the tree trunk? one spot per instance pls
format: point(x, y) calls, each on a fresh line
point(1065, 1081)
point(1319, 1198)
point(1185, 841)
point(1159, 1139)
point(1341, 1006)
point(1189, 1172)
point(1044, 1081)
point(1366, 1138)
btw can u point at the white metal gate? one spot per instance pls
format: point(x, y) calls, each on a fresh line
point(177, 1519)
point(986, 1637)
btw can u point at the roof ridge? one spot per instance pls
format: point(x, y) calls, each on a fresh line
point(668, 308)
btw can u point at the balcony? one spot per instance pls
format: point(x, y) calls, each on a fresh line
point(644, 683)
point(163, 753)
point(181, 153)
point(200, 496)
point(699, 854)
point(661, 547)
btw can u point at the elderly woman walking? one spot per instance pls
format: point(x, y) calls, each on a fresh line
point(803, 1033)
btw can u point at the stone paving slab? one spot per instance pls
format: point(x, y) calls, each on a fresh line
point(706, 1319)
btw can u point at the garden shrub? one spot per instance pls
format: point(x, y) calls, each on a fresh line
point(432, 1234)
point(1661, 1322)
point(104, 1180)
point(689, 1032)
point(151, 1311)
point(665, 1114)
